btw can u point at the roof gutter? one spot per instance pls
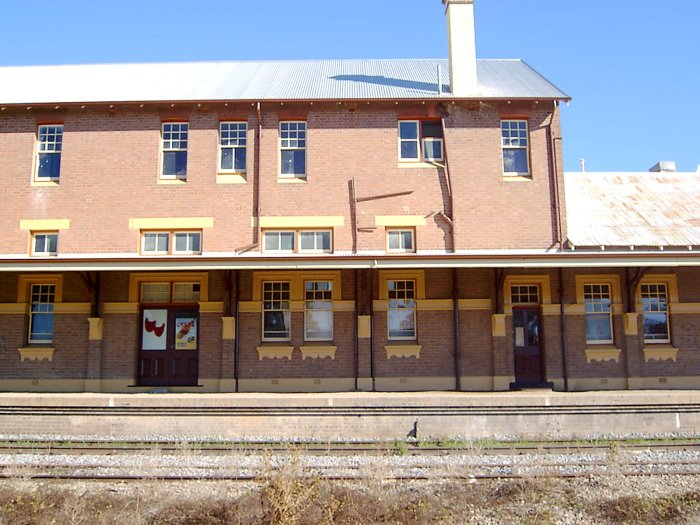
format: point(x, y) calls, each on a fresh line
point(553, 260)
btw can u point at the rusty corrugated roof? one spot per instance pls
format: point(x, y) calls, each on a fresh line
point(633, 209)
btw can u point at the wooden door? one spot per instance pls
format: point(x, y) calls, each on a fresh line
point(169, 353)
point(527, 346)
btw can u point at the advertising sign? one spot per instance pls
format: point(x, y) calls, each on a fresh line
point(185, 333)
point(154, 330)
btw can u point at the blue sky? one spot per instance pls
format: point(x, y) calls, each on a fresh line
point(631, 66)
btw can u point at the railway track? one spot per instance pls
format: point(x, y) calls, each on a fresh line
point(398, 447)
point(171, 461)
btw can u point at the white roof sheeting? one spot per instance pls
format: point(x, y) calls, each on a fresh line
point(260, 81)
point(633, 209)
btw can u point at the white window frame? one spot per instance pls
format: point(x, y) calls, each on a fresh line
point(655, 295)
point(278, 234)
point(36, 236)
point(393, 304)
point(512, 139)
point(43, 308)
point(233, 135)
point(158, 235)
point(286, 312)
point(400, 232)
point(325, 300)
point(316, 234)
point(190, 235)
point(166, 145)
point(52, 146)
point(594, 297)
point(421, 142)
point(171, 243)
point(296, 241)
point(289, 141)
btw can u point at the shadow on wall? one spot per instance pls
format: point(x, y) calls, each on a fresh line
point(393, 82)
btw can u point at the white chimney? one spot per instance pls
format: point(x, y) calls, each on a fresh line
point(462, 42)
point(663, 166)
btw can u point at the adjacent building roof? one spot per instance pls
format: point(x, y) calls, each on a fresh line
point(633, 209)
point(261, 81)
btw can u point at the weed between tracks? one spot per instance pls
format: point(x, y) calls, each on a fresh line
point(286, 492)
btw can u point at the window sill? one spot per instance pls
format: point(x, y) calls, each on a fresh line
point(291, 180)
point(663, 352)
point(403, 351)
point(417, 164)
point(602, 353)
point(172, 181)
point(317, 352)
point(36, 353)
point(275, 352)
point(517, 178)
point(231, 178)
point(45, 183)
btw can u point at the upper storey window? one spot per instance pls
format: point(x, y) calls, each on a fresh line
point(44, 243)
point(233, 142)
point(514, 141)
point(49, 146)
point(293, 149)
point(420, 141)
point(174, 145)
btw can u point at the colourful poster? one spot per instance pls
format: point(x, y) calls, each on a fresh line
point(186, 333)
point(154, 330)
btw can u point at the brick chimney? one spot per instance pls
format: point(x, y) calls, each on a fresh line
point(462, 42)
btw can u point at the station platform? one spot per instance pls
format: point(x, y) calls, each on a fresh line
point(352, 416)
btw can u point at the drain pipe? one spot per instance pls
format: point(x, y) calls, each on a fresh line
point(564, 366)
point(256, 181)
point(559, 233)
point(455, 274)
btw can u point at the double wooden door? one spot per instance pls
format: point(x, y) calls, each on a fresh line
point(169, 352)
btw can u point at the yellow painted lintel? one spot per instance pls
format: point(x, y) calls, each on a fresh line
point(300, 221)
point(171, 223)
point(400, 220)
point(44, 224)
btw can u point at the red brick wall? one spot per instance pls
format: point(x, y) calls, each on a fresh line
point(110, 168)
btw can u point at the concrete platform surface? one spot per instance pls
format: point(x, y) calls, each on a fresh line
point(540, 414)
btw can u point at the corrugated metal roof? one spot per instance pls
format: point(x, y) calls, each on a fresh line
point(633, 209)
point(253, 81)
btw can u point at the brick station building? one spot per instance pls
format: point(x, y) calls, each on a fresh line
point(328, 226)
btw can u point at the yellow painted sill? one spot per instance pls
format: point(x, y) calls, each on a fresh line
point(275, 352)
point(403, 351)
point(660, 353)
point(291, 180)
point(317, 352)
point(602, 353)
point(517, 178)
point(172, 181)
point(231, 178)
point(51, 183)
point(413, 164)
point(36, 353)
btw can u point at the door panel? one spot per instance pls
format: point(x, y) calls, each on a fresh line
point(527, 348)
point(169, 354)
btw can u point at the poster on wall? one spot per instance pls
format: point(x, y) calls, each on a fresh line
point(186, 333)
point(154, 330)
